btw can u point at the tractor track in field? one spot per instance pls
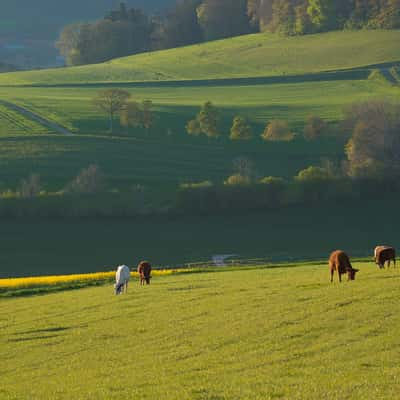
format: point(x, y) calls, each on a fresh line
point(36, 117)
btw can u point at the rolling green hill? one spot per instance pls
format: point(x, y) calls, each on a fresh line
point(256, 55)
point(282, 333)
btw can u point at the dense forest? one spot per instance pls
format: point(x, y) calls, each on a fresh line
point(126, 31)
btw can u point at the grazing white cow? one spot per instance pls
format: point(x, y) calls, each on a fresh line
point(122, 277)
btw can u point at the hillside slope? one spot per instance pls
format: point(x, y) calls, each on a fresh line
point(246, 56)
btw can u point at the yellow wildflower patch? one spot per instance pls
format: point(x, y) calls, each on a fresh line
point(41, 281)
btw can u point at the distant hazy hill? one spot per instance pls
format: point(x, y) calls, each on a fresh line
point(43, 18)
point(28, 28)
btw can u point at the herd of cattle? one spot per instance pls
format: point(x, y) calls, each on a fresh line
point(338, 261)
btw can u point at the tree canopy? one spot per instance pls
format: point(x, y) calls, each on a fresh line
point(126, 31)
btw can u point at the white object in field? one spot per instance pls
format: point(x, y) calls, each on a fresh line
point(122, 277)
point(219, 259)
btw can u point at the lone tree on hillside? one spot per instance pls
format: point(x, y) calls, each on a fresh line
point(241, 129)
point(206, 122)
point(112, 101)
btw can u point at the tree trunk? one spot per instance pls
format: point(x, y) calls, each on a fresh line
point(111, 123)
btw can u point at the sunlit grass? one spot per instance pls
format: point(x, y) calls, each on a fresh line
point(255, 334)
point(245, 56)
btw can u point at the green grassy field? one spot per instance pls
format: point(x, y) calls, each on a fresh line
point(61, 246)
point(284, 333)
point(161, 165)
point(168, 156)
point(246, 56)
point(174, 106)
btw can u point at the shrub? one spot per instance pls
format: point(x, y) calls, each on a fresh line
point(238, 179)
point(272, 180)
point(197, 185)
point(278, 131)
point(193, 127)
point(313, 174)
point(241, 129)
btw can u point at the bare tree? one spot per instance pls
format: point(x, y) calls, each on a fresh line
point(112, 101)
point(245, 167)
point(89, 180)
point(30, 187)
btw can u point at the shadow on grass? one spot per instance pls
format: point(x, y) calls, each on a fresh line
point(27, 339)
point(47, 330)
point(35, 291)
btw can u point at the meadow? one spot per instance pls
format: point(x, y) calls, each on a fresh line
point(281, 333)
point(258, 55)
point(168, 155)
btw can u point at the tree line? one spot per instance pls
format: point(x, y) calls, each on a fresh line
point(125, 31)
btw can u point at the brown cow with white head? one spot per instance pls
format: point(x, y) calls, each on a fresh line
point(339, 261)
point(383, 254)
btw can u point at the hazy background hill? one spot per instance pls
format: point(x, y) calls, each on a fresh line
point(29, 28)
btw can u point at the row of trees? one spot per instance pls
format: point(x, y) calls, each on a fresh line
point(129, 31)
point(207, 121)
point(131, 113)
point(117, 102)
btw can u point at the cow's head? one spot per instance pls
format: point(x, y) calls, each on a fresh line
point(351, 273)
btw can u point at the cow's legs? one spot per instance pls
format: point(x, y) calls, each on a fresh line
point(340, 276)
point(126, 287)
point(332, 272)
point(394, 263)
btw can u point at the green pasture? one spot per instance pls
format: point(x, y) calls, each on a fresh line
point(282, 333)
point(61, 246)
point(256, 55)
point(156, 164)
point(175, 106)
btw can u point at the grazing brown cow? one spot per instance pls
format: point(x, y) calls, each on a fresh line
point(144, 270)
point(383, 254)
point(339, 261)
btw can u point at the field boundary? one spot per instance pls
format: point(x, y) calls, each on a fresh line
point(37, 118)
point(357, 73)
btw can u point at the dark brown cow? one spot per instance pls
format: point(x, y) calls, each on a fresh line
point(383, 254)
point(339, 261)
point(144, 271)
